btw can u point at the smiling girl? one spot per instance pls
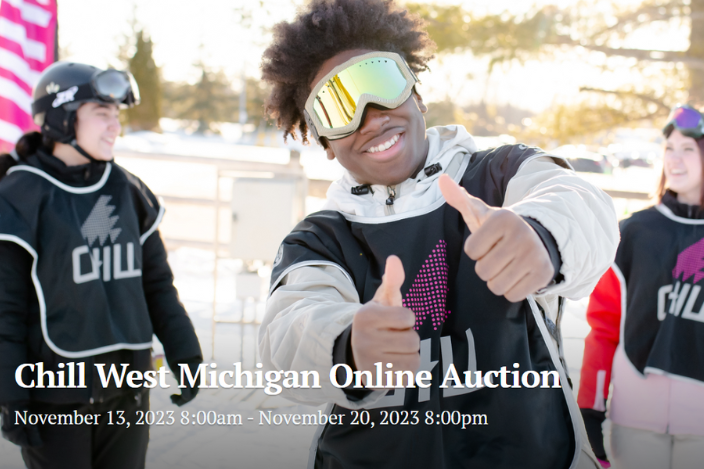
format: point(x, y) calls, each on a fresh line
point(647, 318)
point(84, 278)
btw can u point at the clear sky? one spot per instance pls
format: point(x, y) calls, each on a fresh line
point(186, 31)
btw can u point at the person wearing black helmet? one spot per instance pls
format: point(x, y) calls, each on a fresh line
point(65, 87)
point(84, 280)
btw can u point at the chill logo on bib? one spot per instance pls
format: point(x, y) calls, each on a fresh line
point(102, 257)
point(681, 298)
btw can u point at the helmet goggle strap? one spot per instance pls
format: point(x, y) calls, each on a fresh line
point(687, 120)
point(80, 150)
point(336, 105)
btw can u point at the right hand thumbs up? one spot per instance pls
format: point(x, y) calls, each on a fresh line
point(382, 330)
point(389, 292)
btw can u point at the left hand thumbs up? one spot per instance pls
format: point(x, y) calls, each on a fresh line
point(473, 209)
point(511, 257)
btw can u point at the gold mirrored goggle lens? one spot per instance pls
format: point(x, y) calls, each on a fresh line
point(336, 102)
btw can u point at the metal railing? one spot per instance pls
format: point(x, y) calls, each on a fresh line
point(225, 168)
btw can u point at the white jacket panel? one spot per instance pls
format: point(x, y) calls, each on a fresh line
point(579, 216)
point(304, 316)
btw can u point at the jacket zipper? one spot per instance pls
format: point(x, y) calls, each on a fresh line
point(389, 209)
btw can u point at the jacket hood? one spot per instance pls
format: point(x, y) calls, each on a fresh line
point(444, 143)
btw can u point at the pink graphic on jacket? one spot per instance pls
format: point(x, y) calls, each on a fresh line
point(428, 293)
point(690, 262)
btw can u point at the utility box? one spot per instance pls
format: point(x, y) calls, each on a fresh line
point(264, 211)
point(249, 285)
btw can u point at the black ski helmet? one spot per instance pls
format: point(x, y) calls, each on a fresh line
point(64, 86)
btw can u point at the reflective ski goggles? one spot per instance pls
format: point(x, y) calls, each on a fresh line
point(106, 86)
point(116, 86)
point(687, 120)
point(336, 104)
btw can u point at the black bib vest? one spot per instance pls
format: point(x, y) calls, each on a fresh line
point(661, 264)
point(460, 322)
point(86, 243)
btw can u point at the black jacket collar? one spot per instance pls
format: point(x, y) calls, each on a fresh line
point(680, 209)
point(77, 176)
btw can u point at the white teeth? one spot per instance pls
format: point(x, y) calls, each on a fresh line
point(385, 145)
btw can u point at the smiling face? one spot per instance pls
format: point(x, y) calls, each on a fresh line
point(682, 165)
point(389, 146)
point(97, 127)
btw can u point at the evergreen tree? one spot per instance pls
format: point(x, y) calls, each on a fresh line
point(147, 74)
point(257, 92)
point(211, 99)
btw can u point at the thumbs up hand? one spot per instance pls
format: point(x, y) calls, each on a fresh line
point(510, 256)
point(389, 292)
point(382, 330)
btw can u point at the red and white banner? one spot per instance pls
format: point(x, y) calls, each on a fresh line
point(27, 36)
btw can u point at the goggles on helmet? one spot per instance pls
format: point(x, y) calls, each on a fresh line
point(336, 104)
point(108, 86)
point(116, 86)
point(687, 120)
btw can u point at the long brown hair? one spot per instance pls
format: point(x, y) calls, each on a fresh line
point(662, 183)
point(26, 146)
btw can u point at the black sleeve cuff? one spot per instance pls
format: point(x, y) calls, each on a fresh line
point(342, 353)
point(551, 246)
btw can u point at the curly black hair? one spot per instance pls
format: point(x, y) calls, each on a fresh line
point(323, 29)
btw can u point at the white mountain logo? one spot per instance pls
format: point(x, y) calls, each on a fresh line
point(106, 262)
point(99, 224)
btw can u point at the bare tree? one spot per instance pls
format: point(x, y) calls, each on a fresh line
point(669, 76)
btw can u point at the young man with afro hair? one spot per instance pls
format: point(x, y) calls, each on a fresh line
point(431, 259)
